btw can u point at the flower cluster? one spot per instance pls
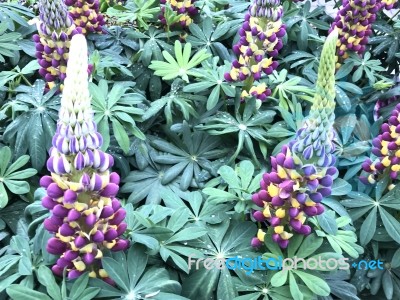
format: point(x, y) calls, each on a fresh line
point(353, 22)
point(386, 147)
point(302, 174)
point(260, 41)
point(55, 30)
point(86, 14)
point(86, 218)
point(184, 8)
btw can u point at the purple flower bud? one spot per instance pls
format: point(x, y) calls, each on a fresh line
point(283, 243)
point(88, 258)
point(115, 204)
point(316, 197)
point(91, 220)
point(48, 202)
point(45, 181)
point(110, 190)
point(114, 178)
point(293, 212)
point(71, 255)
point(70, 196)
point(74, 274)
point(277, 201)
point(54, 191)
point(258, 216)
point(305, 230)
point(119, 216)
point(122, 228)
point(256, 243)
point(310, 210)
point(52, 224)
point(66, 230)
point(55, 246)
point(80, 241)
point(326, 181)
point(301, 198)
point(98, 237)
point(60, 211)
point(110, 235)
point(275, 221)
point(120, 245)
point(57, 270)
point(63, 263)
point(256, 199)
point(107, 212)
point(295, 224)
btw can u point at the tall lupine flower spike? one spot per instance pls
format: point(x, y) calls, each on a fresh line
point(302, 174)
point(353, 22)
point(86, 14)
point(55, 31)
point(185, 8)
point(260, 41)
point(386, 148)
point(86, 218)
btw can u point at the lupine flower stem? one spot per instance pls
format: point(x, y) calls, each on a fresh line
point(260, 41)
point(86, 218)
point(302, 174)
point(55, 31)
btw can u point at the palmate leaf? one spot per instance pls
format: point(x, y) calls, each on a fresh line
point(32, 130)
point(179, 66)
point(211, 81)
point(225, 240)
point(147, 184)
point(11, 178)
point(135, 281)
point(360, 204)
point(208, 37)
point(142, 11)
point(117, 109)
point(175, 103)
point(248, 125)
point(190, 155)
point(241, 183)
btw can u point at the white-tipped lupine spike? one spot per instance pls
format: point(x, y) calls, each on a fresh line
point(76, 86)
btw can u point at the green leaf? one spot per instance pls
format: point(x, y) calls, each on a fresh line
point(392, 226)
point(3, 196)
point(368, 228)
point(187, 234)
point(113, 269)
point(279, 278)
point(19, 292)
point(46, 278)
point(294, 288)
point(5, 157)
point(120, 135)
point(317, 285)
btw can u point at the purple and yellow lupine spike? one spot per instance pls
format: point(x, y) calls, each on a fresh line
point(185, 8)
point(86, 218)
point(353, 22)
point(386, 148)
point(302, 174)
point(260, 41)
point(86, 14)
point(55, 30)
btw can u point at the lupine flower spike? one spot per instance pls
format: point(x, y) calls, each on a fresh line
point(86, 218)
point(353, 22)
point(386, 148)
point(260, 41)
point(302, 174)
point(55, 31)
point(86, 14)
